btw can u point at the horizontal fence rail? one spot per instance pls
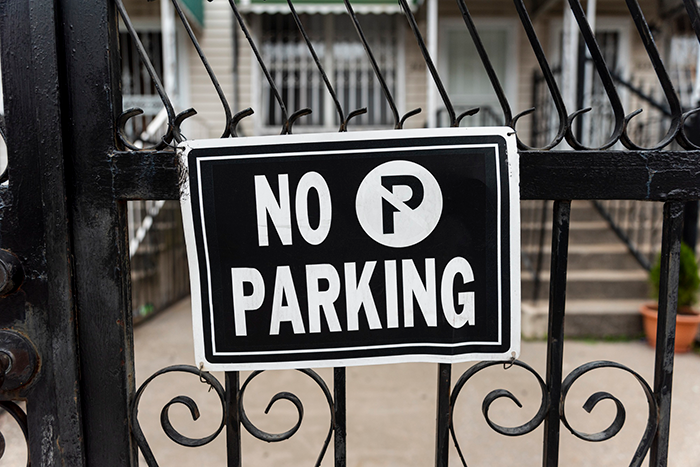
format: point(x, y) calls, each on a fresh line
point(630, 172)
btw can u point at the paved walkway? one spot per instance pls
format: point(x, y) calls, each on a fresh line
point(391, 408)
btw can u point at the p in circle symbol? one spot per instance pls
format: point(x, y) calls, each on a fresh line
point(399, 203)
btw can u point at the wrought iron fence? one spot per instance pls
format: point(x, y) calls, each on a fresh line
point(554, 385)
point(586, 172)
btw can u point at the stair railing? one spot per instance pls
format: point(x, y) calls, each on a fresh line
point(637, 224)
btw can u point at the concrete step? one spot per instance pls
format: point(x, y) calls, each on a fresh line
point(595, 283)
point(591, 256)
point(580, 233)
point(582, 210)
point(586, 318)
point(605, 284)
point(531, 211)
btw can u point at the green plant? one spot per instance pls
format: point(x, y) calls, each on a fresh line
point(688, 280)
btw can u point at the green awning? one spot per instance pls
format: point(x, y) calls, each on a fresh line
point(195, 10)
point(323, 6)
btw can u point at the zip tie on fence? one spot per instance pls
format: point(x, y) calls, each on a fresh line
point(509, 364)
point(202, 379)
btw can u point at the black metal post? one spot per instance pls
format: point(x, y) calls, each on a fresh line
point(442, 431)
point(666, 328)
point(339, 407)
point(34, 228)
point(233, 419)
point(555, 338)
point(92, 102)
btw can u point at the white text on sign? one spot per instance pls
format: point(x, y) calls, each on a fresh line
point(393, 188)
point(358, 296)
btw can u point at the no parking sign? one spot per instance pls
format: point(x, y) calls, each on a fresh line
point(354, 248)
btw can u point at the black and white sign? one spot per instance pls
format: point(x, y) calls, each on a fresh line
point(354, 248)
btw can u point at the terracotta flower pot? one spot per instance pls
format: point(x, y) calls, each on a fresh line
point(686, 327)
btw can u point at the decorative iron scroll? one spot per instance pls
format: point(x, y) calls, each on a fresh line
point(493, 396)
point(174, 121)
point(338, 107)
point(619, 421)
point(398, 122)
point(188, 402)
point(209, 379)
point(276, 437)
point(546, 404)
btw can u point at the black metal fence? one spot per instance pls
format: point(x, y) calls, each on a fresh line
point(553, 389)
point(91, 285)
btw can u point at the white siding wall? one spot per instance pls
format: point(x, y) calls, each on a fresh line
point(216, 41)
point(416, 79)
point(247, 69)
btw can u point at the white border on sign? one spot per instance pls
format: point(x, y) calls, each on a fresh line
point(514, 204)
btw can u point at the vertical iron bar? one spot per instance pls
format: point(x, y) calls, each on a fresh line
point(92, 102)
point(442, 432)
point(340, 416)
point(555, 337)
point(233, 419)
point(666, 327)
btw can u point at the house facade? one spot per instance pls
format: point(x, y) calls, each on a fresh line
point(397, 54)
point(242, 82)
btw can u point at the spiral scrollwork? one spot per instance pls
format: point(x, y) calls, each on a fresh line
point(494, 395)
point(276, 437)
point(16, 412)
point(167, 426)
point(619, 421)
